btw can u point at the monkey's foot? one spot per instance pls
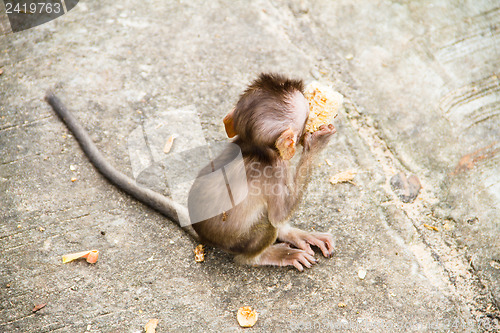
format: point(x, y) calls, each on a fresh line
point(281, 255)
point(303, 240)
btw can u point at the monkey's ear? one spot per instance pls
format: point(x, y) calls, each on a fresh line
point(286, 144)
point(229, 124)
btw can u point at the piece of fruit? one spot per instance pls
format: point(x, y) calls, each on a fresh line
point(247, 317)
point(91, 256)
point(169, 143)
point(199, 253)
point(150, 327)
point(324, 104)
point(343, 177)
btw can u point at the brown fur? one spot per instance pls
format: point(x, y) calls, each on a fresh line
point(269, 121)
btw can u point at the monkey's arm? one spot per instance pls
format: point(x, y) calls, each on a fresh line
point(283, 202)
point(162, 204)
point(286, 195)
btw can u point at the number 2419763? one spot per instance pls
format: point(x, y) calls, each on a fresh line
point(33, 8)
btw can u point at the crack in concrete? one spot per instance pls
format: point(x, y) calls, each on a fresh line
point(462, 284)
point(17, 319)
point(25, 124)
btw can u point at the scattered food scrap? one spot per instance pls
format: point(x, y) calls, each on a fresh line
point(495, 264)
point(328, 162)
point(361, 273)
point(169, 143)
point(431, 227)
point(150, 327)
point(247, 317)
point(343, 177)
point(341, 305)
point(38, 307)
point(74, 179)
point(467, 162)
point(91, 256)
point(406, 189)
point(199, 253)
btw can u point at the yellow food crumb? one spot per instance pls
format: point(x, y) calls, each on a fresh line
point(246, 316)
point(199, 253)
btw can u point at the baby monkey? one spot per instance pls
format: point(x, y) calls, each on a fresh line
point(267, 124)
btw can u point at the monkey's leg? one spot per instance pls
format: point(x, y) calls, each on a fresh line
point(303, 239)
point(280, 255)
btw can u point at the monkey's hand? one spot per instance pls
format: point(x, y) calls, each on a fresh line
point(316, 141)
point(303, 240)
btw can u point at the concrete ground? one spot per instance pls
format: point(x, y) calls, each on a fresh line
point(422, 95)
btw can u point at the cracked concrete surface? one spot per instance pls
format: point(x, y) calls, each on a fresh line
point(422, 96)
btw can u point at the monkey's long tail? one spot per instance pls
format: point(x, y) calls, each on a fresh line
point(162, 204)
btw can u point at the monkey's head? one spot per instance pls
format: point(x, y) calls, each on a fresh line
point(271, 113)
